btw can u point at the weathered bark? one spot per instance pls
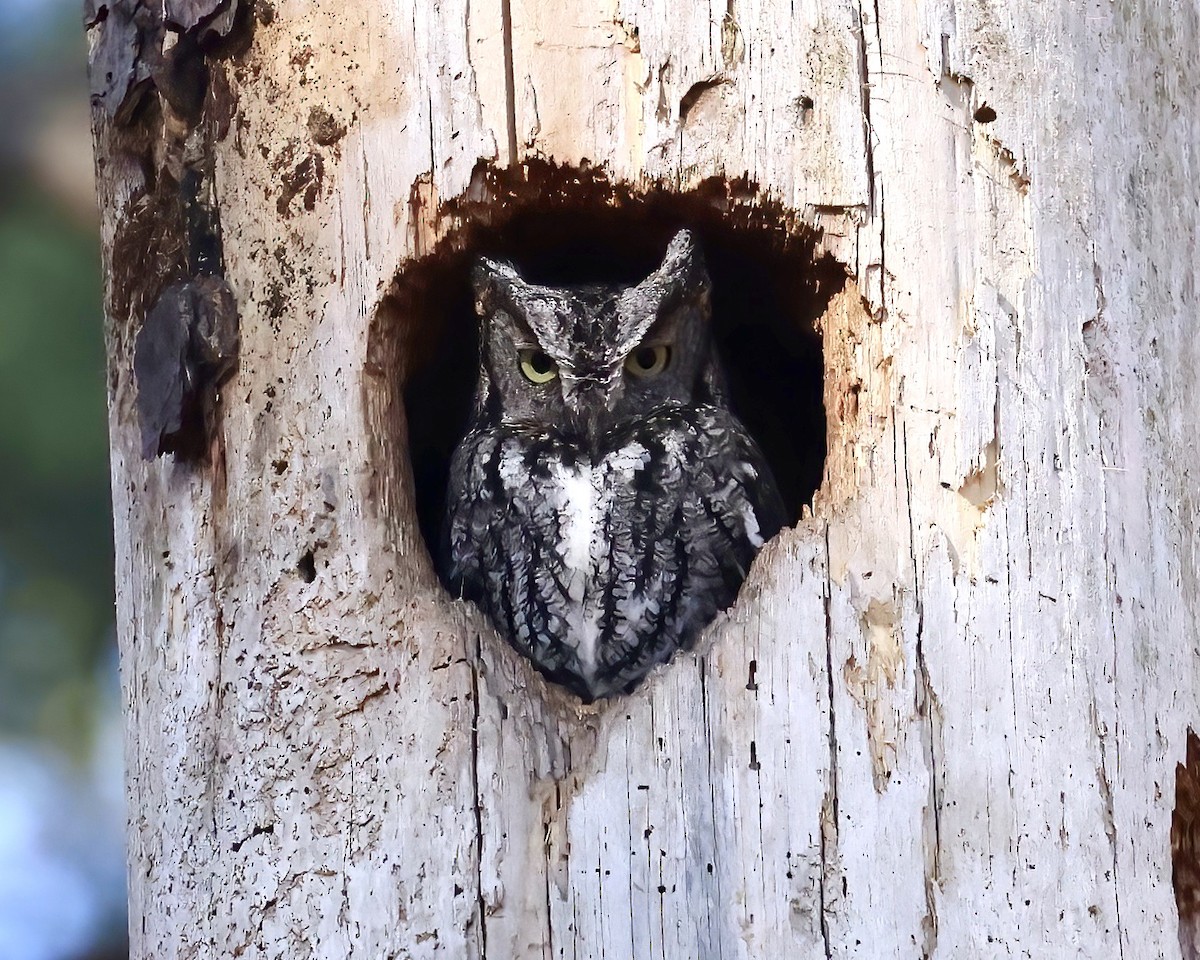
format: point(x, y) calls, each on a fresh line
point(943, 718)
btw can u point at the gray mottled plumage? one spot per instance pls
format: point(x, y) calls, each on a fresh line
point(603, 517)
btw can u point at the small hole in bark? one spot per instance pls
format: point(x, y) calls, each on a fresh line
point(985, 114)
point(804, 108)
point(693, 95)
point(307, 567)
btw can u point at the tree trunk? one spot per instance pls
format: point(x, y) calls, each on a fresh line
point(944, 716)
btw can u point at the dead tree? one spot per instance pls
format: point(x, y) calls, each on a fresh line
point(944, 716)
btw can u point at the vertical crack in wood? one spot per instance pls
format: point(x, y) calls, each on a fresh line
point(546, 875)
point(1110, 818)
point(601, 913)
point(713, 936)
point(865, 86)
point(366, 203)
point(875, 204)
point(432, 138)
point(924, 693)
point(926, 705)
point(629, 874)
point(908, 503)
point(510, 85)
point(831, 802)
point(1110, 582)
point(218, 703)
point(348, 845)
point(1008, 625)
point(223, 577)
point(479, 901)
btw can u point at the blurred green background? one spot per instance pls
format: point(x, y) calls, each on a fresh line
point(61, 864)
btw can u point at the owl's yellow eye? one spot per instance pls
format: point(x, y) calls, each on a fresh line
point(648, 361)
point(537, 367)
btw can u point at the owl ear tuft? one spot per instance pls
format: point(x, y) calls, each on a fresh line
point(492, 278)
point(683, 264)
point(682, 247)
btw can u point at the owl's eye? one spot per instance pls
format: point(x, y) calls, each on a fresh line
point(537, 367)
point(648, 361)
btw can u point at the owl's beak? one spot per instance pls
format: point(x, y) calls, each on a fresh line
point(589, 402)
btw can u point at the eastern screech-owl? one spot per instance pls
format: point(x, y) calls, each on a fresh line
point(604, 503)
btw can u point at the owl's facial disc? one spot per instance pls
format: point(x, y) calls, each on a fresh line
point(588, 360)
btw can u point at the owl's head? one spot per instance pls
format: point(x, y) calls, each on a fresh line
point(589, 359)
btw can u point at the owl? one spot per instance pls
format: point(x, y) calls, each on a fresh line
point(604, 504)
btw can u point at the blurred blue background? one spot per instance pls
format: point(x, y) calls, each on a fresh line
point(62, 877)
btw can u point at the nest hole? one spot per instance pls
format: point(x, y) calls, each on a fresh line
point(564, 226)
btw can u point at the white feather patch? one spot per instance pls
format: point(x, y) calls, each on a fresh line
point(753, 531)
point(583, 495)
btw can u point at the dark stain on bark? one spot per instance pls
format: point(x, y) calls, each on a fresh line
point(186, 348)
point(181, 77)
point(1185, 847)
point(161, 98)
point(324, 128)
point(304, 180)
point(186, 345)
point(149, 250)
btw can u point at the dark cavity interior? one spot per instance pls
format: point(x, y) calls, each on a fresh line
point(563, 226)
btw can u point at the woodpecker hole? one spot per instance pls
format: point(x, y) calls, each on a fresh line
point(564, 225)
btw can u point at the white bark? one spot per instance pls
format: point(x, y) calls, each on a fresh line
point(974, 663)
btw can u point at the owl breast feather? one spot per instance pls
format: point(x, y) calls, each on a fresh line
point(599, 567)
